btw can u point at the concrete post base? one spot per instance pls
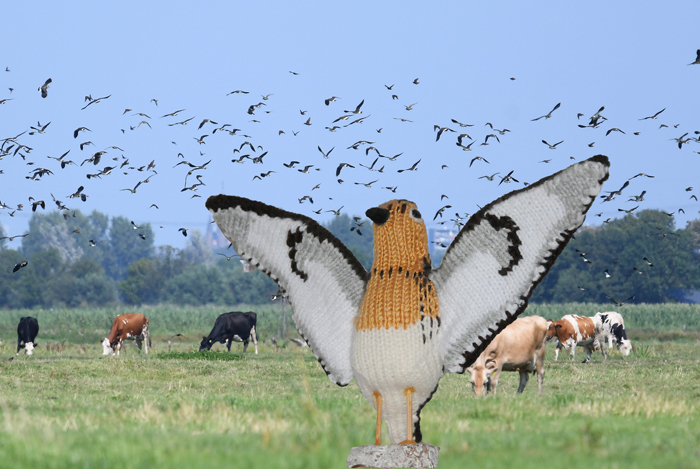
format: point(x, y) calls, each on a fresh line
point(394, 456)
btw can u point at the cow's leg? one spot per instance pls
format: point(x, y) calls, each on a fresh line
point(245, 345)
point(255, 339)
point(138, 343)
point(603, 349)
point(228, 344)
point(589, 351)
point(539, 369)
point(524, 377)
point(556, 351)
point(119, 346)
point(494, 380)
point(19, 345)
point(572, 353)
point(146, 338)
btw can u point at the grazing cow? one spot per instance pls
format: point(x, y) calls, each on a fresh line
point(611, 326)
point(129, 326)
point(27, 331)
point(232, 326)
point(571, 331)
point(519, 347)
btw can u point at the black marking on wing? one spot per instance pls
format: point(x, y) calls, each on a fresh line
point(221, 202)
point(507, 223)
point(293, 239)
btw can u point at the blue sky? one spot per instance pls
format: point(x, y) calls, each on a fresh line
point(630, 57)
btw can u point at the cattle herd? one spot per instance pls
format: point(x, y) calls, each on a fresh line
point(519, 347)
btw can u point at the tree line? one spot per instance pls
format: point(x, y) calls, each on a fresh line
point(95, 260)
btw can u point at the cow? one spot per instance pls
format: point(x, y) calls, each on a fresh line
point(130, 326)
point(611, 326)
point(519, 347)
point(571, 331)
point(232, 326)
point(27, 330)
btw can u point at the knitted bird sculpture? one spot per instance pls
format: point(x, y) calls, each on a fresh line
point(398, 328)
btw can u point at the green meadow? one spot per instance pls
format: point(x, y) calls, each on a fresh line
point(67, 406)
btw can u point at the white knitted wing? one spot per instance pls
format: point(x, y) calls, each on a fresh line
point(492, 267)
point(323, 280)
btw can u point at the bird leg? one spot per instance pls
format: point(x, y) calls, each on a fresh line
point(409, 414)
point(378, 399)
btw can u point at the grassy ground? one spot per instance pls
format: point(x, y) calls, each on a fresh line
point(90, 325)
point(278, 410)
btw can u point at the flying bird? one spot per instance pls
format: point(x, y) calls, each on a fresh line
point(697, 60)
point(341, 166)
point(400, 327)
point(441, 130)
point(619, 303)
point(552, 147)
point(80, 129)
point(44, 89)
point(357, 109)
point(548, 115)
point(654, 116)
point(614, 129)
point(477, 158)
point(94, 101)
point(19, 266)
point(412, 168)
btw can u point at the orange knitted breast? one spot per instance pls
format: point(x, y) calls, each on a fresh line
point(398, 293)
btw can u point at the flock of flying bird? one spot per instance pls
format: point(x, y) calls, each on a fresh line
point(247, 152)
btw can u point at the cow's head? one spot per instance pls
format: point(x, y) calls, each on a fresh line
point(29, 348)
point(552, 329)
point(106, 347)
point(625, 347)
point(206, 343)
point(480, 377)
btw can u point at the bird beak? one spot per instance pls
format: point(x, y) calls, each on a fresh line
point(378, 215)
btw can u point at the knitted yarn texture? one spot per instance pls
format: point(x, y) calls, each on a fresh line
point(399, 292)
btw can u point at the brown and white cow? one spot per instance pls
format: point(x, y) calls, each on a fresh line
point(571, 331)
point(129, 326)
point(519, 347)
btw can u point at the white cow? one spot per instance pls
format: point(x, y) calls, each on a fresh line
point(519, 347)
point(610, 326)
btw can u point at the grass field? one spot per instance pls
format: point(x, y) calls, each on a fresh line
point(278, 410)
point(90, 325)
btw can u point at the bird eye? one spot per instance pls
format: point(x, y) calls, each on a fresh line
point(415, 214)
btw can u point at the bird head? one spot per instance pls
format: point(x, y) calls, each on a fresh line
point(400, 237)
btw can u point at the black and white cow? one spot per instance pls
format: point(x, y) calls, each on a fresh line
point(611, 327)
point(232, 326)
point(27, 331)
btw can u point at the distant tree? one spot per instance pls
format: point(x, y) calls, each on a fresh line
point(127, 246)
point(619, 247)
point(12, 285)
point(198, 285)
point(197, 250)
point(244, 287)
point(3, 242)
point(144, 282)
point(170, 261)
point(52, 230)
point(83, 283)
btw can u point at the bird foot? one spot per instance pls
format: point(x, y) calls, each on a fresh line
point(408, 442)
